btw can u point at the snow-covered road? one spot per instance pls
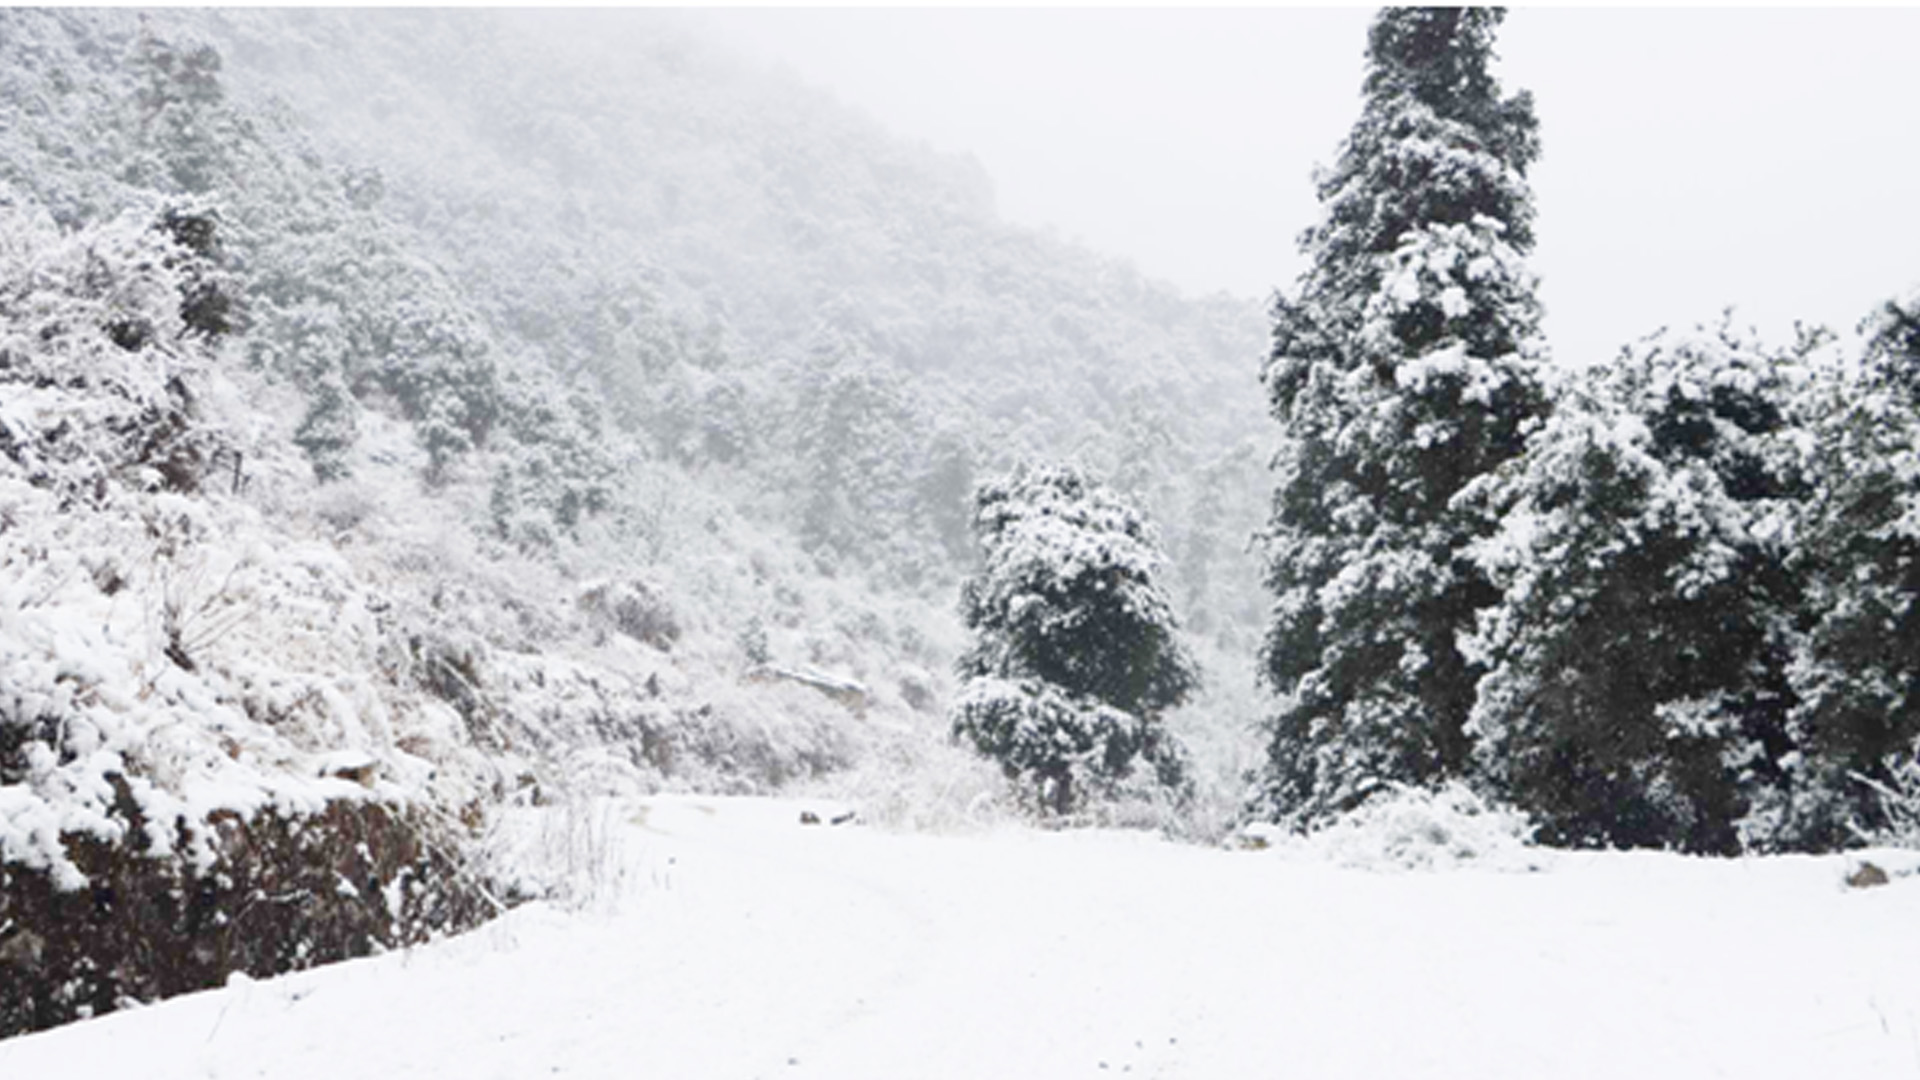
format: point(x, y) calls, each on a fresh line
point(748, 945)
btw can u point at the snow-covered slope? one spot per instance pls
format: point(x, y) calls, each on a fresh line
point(728, 940)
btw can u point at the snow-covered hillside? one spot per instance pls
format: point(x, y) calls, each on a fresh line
point(357, 488)
point(447, 466)
point(728, 940)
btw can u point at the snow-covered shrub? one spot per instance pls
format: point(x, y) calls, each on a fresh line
point(210, 300)
point(558, 712)
point(1636, 689)
point(95, 372)
point(753, 643)
point(346, 506)
point(1898, 795)
point(1075, 655)
point(633, 608)
point(1404, 827)
point(569, 850)
point(903, 780)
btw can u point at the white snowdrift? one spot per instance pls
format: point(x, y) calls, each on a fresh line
point(744, 944)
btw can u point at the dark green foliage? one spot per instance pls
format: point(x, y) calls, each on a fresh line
point(1075, 655)
point(1706, 639)
point(1859, 674)
point(1403, 368)
point(1671, 610)
point(1070, 593)
point(1066, 750)
point(1638, 688)
point(209, 300)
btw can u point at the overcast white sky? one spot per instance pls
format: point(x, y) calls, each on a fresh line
point(1694, 159)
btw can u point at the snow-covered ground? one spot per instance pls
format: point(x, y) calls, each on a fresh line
point(728, 940)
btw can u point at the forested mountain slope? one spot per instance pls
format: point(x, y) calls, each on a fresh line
point(724, 249)
point(405, 414)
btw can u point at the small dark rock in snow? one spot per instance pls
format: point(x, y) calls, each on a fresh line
point(1866, 876)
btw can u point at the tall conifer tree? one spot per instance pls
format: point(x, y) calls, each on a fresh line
point(1403, 367)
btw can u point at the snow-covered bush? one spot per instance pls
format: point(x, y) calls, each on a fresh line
point(1898, 796)
point(94, 367)
point(635, 609)
point(1636, 689)
point(1075, 655)
point(903, 780)
point(1412, 828)
point(174, 799)
point(570, 850)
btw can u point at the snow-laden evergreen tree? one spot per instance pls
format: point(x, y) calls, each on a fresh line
point(1402, 367)
point(1638, 693)
point(1859, 676)
point(1075, 655)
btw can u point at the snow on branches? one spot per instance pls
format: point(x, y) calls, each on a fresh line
point(1636, 684)
point(1075, 655)
point(1403, 368)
